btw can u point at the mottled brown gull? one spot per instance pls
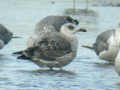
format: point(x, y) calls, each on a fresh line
point(54, 49)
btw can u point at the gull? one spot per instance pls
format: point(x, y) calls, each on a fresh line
point(53, 49)
point(107, 44)
point(5, 36)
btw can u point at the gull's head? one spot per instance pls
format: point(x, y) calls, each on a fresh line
point(70, 28)
point(69, 19)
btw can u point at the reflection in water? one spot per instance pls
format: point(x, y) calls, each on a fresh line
point(80, 12)
point(118, 84)
point(104, 65)
point(50, 72)
point(2, 57)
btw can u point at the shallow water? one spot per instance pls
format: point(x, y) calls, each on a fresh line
point(86, 72)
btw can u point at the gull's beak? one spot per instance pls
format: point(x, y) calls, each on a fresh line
point(80, 30)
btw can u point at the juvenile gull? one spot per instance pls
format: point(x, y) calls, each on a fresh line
point(107, 44)
point(54, 49)
point(5, 36)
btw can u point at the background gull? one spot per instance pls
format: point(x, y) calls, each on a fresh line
point(107, 44)
point(49, 24)
point(5, 36)
point(54, 49)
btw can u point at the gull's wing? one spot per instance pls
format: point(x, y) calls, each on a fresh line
point(53, 45)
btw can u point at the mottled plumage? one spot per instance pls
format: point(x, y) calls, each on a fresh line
point(53, 49)
point(51, 46)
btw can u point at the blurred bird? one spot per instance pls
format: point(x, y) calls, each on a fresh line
point(5, 36)
point(107, 44)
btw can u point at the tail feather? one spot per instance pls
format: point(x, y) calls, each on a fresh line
point(87, 46)
point(21, 55)
point(18, 52)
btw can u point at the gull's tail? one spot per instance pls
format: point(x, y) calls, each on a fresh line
point(87, 46)
point(21, 54)
point(18, 52)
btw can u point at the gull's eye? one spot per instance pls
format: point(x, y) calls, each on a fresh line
point(71, 27)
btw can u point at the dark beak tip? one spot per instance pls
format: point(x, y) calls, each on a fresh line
point(82, 30)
